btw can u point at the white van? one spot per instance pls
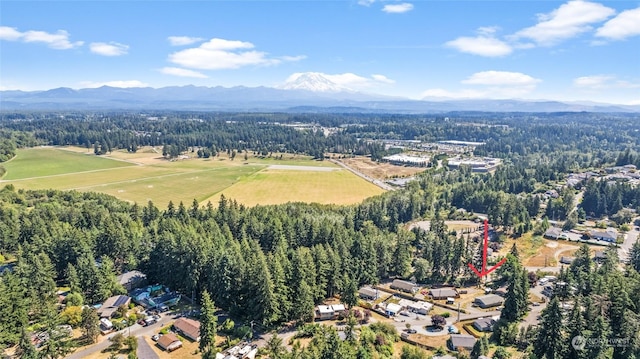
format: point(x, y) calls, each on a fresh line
point(543, 281)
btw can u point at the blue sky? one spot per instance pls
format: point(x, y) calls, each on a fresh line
point(571, 50)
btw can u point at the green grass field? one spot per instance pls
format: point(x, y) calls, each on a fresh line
point(145, 176)
point(278, 186)
point(38, 162)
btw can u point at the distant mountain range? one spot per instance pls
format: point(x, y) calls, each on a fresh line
point(306, 93)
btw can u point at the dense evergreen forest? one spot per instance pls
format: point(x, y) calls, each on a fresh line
point(272, 264)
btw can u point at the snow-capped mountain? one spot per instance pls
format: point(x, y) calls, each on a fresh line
point(312, 81)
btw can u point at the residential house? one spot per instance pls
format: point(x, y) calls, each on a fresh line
point(610, 235)
point(240, 351)
point(105, 325)
point(111, 305)
point(551, 193)
point(464, 341)
point(132, 279)
point(324, 312)
point(338, 309)
point(404, 286)
point(567, 260)
point(169, 342)
point(484, 324)
point(489, 301)
point(443, 293)
point(368, 293)
point(599, 256)
point(554, 233)
point(392, 309)
point(188, 328)
point(418, 307)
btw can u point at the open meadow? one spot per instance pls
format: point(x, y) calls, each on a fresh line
point(147, 176)
point(50, 161)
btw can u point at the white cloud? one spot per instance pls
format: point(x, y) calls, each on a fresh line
point(219, 54)
point(366, 2)
point(398, 8)
point(183, 40)
point(348, 79)
point(222, 44)
point(446, 94)
point(117, 83)
point(596, 81)
point(382, 78)
point(487, 30)
point(626, 24)
point(569, 20)
point(489, 84)
point(9, 33)
point(58, 40)
point(354, 81)
point(108, 49)
point(500, 78)
point(176, 71)
point(601, 82)
point(481, 45)
point(293, 58)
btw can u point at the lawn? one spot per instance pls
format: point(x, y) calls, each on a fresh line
point(146, 175)
point(40, 162)
point(271, 186)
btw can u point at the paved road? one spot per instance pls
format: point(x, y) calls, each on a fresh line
point(135, 330)
point(144, 350)
point(535, 311)
point(630, 238)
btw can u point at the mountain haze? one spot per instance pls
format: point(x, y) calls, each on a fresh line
point(310, 91)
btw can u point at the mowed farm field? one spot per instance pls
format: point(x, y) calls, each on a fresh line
point(146, 176)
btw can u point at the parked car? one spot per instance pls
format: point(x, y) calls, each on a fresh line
point(155, 337)
point(163, 308)
point(412, 331)
point(142, 322)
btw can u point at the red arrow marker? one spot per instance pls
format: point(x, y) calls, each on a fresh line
point(484, 272)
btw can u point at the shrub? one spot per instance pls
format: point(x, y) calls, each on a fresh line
point(72, 315)
point(446, 315)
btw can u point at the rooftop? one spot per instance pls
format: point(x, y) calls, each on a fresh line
point(166, 340)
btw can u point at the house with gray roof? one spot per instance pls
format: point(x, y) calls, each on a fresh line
point(404, 286)
point(607, 236)
point(368, 293)
point(489, 301)
point(464, 341)
point(567, 260)
point(132, 279)
point(111, 305)
point(443, 293)
point(554, 233)
point(484, 324)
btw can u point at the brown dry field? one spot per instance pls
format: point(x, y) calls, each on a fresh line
point(545, 257)
point(379, 171)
